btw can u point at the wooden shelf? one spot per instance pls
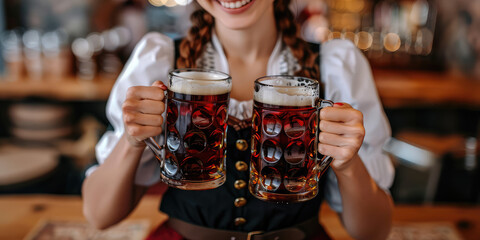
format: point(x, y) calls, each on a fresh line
point(420, 88)
point(396, 88)
point(66, 89)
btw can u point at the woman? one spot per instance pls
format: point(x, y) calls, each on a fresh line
point(247, 39)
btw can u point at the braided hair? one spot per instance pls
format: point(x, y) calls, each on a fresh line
point(200, 33)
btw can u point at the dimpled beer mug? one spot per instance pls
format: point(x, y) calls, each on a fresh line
point(285, 165)
point(193, 157)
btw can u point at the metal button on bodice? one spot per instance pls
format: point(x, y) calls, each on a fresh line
point(240, 221)
point(242, 144)
point(241, 166)
point(239, 184)
point(240, 202)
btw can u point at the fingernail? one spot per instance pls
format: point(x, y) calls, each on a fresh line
point(338, 104)
point(161, 85)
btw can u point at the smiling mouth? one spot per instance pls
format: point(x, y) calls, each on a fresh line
point(234, 4)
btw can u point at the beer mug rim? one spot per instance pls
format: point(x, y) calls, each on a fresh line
point(176, 73)
point(309, 82)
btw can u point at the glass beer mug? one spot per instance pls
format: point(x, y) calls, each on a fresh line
point(285, 165)
point(193, 157)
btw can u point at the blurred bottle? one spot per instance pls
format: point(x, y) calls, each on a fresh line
point(100, 53)
point(86, 66)
point(32, 50)
point(11, 42)
point(423, 20)
point(471, 153)
point(115, 40)
point(57, 55)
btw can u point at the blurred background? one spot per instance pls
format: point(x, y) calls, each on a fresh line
point(59, 60)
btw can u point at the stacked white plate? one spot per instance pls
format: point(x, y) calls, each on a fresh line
point(40, 121)
point(21, 164)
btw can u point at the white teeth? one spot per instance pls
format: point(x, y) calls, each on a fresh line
point(234, 5)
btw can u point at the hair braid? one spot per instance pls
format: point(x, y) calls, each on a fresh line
point(199, 35)
point(290, 36)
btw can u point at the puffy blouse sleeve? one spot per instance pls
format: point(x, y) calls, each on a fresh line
point(150, 61)
point(347, 77)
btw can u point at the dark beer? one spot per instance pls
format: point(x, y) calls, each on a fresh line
point(284, 166)
point(283, 155)
point(195, 131)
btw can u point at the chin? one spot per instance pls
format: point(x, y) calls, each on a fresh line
point(235, 24)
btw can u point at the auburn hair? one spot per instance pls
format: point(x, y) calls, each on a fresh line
point(200, 33)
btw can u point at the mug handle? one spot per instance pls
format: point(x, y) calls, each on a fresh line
point(324, 160)
point(155, 147)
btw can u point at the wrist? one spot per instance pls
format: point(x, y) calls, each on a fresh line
point(134, 144)
point(349, 168)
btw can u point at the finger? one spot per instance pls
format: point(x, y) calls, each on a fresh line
point(141, 132)
point(338, 153)
point(144, 92)
point(337, 140)
point(343, 113)
point(143, 119)
point(144, 106)
point(341, 128)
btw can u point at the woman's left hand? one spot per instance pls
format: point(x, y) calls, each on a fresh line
point(341, 134)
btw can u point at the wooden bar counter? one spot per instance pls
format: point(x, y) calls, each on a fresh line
point(19, 214)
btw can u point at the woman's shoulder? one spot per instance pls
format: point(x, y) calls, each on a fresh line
point(341, 49)
point(335, 44)
point(153, 41)
point(346, 71)
point(339, 55)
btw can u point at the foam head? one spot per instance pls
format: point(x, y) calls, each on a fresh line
point(286, 92)
point(200, 83)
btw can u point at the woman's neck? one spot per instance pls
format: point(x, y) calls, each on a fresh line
point(251, 43)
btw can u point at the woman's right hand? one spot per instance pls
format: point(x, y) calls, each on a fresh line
point(142, 112)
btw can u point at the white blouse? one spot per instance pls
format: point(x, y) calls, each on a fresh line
point(345, 73)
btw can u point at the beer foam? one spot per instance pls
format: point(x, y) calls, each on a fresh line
point(286, 95)
point(200, 83)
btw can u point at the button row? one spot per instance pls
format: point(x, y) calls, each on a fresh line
point(242, 166)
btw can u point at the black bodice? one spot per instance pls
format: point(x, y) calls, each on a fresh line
point(216, 208)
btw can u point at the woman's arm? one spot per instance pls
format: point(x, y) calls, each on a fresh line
point(367, 209)
point(109, 193)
